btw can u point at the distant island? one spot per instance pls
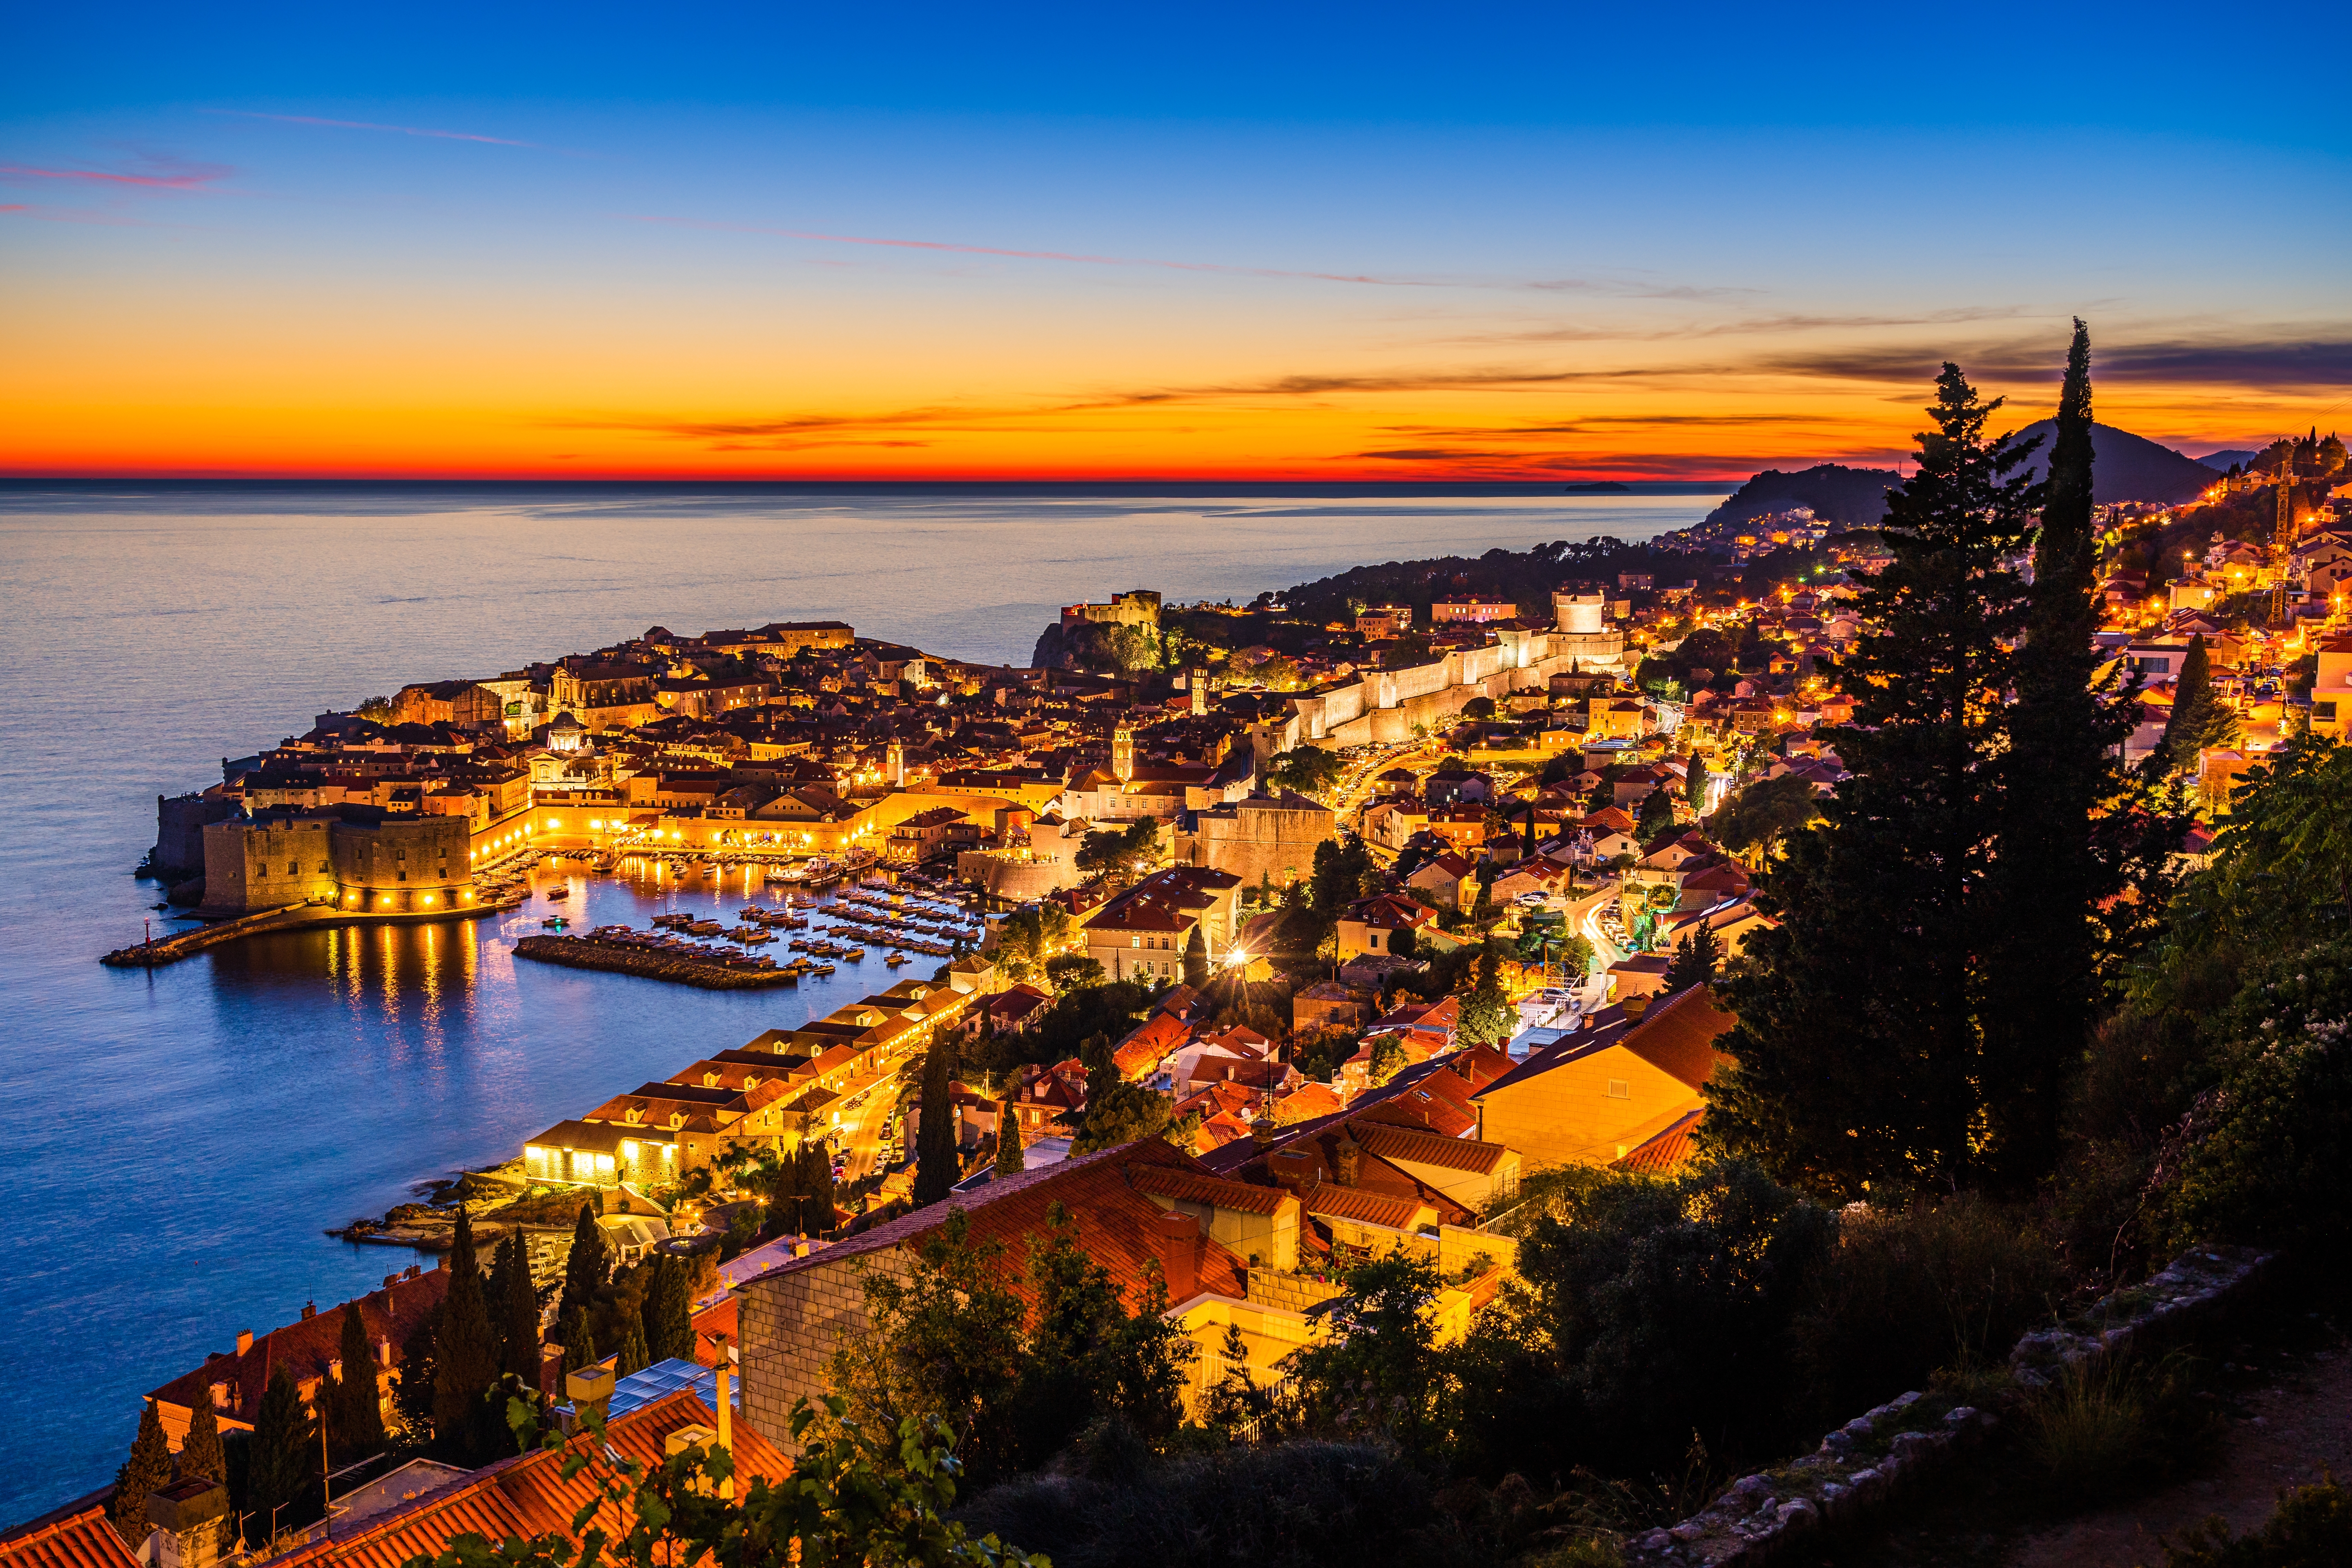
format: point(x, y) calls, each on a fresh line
point(1848, 498)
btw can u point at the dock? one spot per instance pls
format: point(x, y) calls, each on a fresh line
point(269, 922)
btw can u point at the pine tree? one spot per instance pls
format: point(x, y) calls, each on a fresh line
point(2197, 711)
point(283, 1453)
point(1698, 958)
point(147, 1467)
point(354, 1414)
point(516, 1302)
point(633, 1356)
point(935, 1144)
point(466, 1351)
point(579, 1343)
point(668, 1316)
point(589, 1265)
point(200, 1450)
point(1196, 960)
point(1859, 1061)
point(1010, 1161)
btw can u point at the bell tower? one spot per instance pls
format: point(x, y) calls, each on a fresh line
point(1122, 753)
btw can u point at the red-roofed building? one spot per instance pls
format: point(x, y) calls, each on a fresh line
point(1597, 1094)
point(794, 1315)
point(528, 1495)
point(77, 1536)
point(309, 1351)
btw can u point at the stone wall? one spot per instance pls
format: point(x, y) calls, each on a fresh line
point(791, 1323)
point(1760, 1517)
point(1291, 1292)
point(1254, 838)
point(180, 823)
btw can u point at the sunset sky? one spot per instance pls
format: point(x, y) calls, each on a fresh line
point(1198, 242)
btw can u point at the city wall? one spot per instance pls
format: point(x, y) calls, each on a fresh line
point(1384, 707)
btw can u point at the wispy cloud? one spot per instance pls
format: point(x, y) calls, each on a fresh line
point(2324, 359)
point(1078, 257)
point(160, 173)
point(437, 135)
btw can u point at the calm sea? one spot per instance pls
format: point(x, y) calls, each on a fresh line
point(177, 1143)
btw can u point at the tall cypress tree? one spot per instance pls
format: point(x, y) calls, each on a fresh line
point(354, 1415)
point(632, 1356)
point(465, 1351)
point(200, 1451)
point(1010, 1160)
point(2039, 945)
point(283, 1455)
point(1859, 1061)
point(816, 1186)
point(1196, 959)
point(935, 1146)
point(146, 1467)
point(589, 1265)
point(1695, 781)
point(516, 1302)
point(670, 1314)
point(578, 1342)
point(2197, 711)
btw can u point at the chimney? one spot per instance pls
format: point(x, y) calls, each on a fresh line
point(384, 1350)
point(412, 1271)
point(591, 1389)
point(244, 1341)
point(389, 1280)
point(1635, 1007)
point(725, 1402)
point(440, 1263)
point(1177, 1237)
point(309, 1311)
point(1347, 1158)
point(1262, 1132)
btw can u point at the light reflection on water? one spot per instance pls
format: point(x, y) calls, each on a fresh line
point(177, 1142)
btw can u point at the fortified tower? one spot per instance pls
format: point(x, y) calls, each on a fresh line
point(1584, 635)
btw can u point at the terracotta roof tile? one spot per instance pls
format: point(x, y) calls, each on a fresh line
point(1167, 1182)
point(1354, 1202)
point(1668, 1150)
point(527, 1495)
point(81, 1539)
point(1428, 1149)
point(305, 1348)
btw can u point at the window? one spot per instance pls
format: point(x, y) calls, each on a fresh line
point(2324, 710)
point(1619, 1089)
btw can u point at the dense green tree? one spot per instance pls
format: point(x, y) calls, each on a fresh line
point(1766, 812)
point(1658, 815)
point(1378, 1369)
point(284, 1456)
point(1860, 1061)
point(1698, 959)
point(1309, 769)
point(354, 1407)
point(1695, 781)
point(1196, 960)
point(1010, 1160)
point(1087, 1355)
point(465, 1351)
point(668, 1313)
point(936, 1166)
point(1075, 972)
point(145, 1470)
point(578, 1342)
point(946, 1340)
point(1486, 1017)
point(412, 1395)
point(514, 1303)
point(589, 1264)
point(200, 1449)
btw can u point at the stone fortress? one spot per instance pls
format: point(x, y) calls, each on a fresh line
point(359, 858)
point(1383, 707)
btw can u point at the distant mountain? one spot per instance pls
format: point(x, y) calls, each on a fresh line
point(1850, 497)
point(2125, 467)
point(2220, 461)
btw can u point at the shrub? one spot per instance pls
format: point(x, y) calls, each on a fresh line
point(1910, 1292)
point(2261, 1157)
point(2312, 1529)
point(1288, 1505)
point(2103, 1430)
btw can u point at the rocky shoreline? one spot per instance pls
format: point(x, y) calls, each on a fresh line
point(584, 953)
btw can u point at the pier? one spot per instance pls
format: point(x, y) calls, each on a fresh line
point(292, 917)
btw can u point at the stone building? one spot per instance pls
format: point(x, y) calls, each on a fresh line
point(1271, 837)
point(359, 858)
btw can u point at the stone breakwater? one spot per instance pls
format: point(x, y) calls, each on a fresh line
point(584, 953)
point(1865, 1462)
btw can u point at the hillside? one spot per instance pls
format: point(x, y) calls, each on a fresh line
point(2221, 461)
point(2125, 467)
point(1852, 498)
